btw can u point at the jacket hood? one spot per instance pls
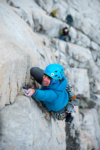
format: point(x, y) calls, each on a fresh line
point(57, 87)
point(62, 84)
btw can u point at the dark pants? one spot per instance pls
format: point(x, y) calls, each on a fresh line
point(37, 74)
point(63, 37)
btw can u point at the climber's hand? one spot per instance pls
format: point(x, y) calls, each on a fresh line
point(30, 92)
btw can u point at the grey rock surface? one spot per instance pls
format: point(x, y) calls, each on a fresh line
point(23, 126)
point(29, 37)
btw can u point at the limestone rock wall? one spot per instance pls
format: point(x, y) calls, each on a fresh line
point(24, 127)
point(30, 37)
point(18, 54)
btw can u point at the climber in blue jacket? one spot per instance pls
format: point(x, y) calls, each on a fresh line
point(53, 90)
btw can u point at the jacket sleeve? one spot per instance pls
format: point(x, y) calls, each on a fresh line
point(45, 95)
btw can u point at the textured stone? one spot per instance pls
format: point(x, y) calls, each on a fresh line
point(94, 46)
point(23, 126)
point(89, 126)
point(78, 53)
point(46, 5)
point(19, 54)
point(73, 34)
point(76, 77)
point(83, 20)
point(82, 40)
point(47, 24)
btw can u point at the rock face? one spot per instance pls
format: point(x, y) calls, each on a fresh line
point(90, 126)
point(30, 37)
point(23, 126)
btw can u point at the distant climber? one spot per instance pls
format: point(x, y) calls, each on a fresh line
point(53, 92)
point(65, 32)
point(54, 13)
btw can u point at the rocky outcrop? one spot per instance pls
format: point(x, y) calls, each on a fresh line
point(24, 126)
point(18, 54)
point(30, 37)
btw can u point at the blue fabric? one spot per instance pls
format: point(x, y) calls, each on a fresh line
point(55, 97)
point(62, 37)
point(53, 81)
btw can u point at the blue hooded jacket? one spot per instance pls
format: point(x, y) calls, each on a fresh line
point(54, 96)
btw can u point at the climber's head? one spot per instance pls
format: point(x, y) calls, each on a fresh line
point(51, 14)
point(55, 71)
point(52, 74)
point(66, 30)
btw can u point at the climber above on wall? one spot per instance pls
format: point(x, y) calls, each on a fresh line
point(53, 92)
point(54, 13)
point(65, 32)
